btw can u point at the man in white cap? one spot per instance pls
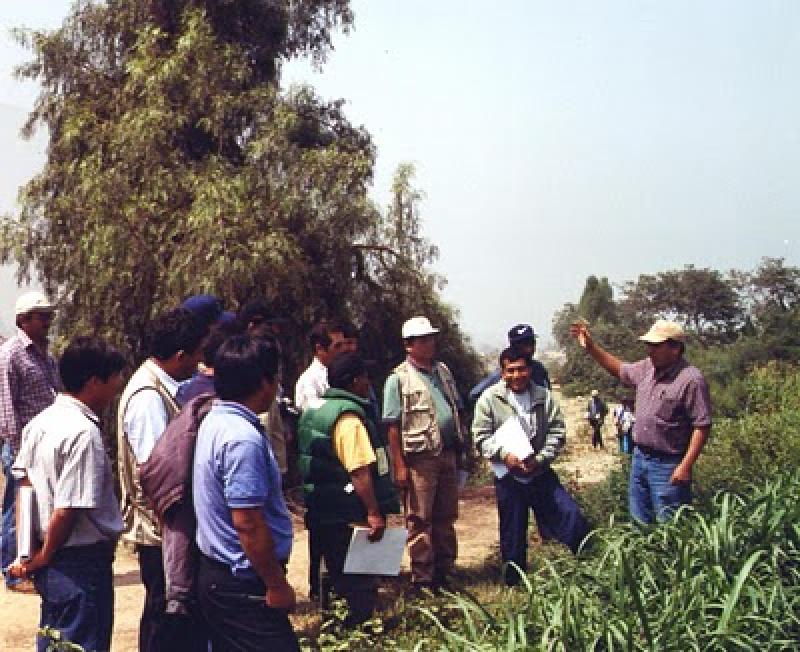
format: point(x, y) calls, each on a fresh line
point(28, 384)
point(672, 419)
point(421, 409)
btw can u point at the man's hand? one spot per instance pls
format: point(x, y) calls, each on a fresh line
point(377, 526)
point(280, 596)
point(580, 331)
point(515, 465)
point(681, 475)
point(400, 474)
point(25, 569)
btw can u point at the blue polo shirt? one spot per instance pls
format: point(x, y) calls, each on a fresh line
point(234, 468)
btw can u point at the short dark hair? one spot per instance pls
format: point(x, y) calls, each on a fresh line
point(344, 369)
point(218, 335)
point(321, 333)
point(88, 357)
point(173, 331)
point(512, 354)
point(241, 365)
point(255, 308)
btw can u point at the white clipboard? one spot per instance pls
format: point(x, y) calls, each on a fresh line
point(512, 437)
point(375, 558)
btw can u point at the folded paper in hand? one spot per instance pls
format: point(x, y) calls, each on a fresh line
point(26, 534)
point(513, 438)
point(383, 557)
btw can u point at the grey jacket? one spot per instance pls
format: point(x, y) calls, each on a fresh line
point(548, 430)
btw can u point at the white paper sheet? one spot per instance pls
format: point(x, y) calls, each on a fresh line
point(26, 535)
point(514, 439)
point(380, 558)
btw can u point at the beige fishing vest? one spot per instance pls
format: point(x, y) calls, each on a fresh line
point(141, 523)
point(418, 425)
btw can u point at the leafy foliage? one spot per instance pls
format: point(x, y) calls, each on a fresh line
point(722, 580)
point(178, 165)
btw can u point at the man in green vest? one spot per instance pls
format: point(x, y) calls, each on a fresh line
point(345, 467)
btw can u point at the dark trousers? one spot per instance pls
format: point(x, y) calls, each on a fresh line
point(159, 632)
point(360, 591)
point(557, 517)
point(597, 433)
point(77, 590)
point(314, 557)
point(237, 617)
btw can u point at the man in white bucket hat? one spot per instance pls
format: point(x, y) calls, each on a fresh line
point(421, 409)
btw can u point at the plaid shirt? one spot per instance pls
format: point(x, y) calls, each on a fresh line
point(28, 384)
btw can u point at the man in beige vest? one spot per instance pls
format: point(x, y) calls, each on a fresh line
point(147, 404)
point(420, 408)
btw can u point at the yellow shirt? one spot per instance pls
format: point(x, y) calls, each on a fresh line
point(351, 442)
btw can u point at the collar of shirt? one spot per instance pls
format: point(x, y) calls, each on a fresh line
point(170, 384)
point(318, 369)
point(237, 409)
point(423, 370)
point(71, 401)
point(671, 371)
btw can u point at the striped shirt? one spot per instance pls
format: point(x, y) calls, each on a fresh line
point(28, 384)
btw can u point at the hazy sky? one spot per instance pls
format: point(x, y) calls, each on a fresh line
point(557, 140)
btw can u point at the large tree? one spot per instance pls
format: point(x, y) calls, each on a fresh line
point(178, 164)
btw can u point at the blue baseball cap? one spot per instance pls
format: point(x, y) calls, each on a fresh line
point(521, 333)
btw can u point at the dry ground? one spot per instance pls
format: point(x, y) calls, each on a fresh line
point(477, 535)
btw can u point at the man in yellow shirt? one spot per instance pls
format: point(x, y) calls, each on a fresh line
point(345, 467)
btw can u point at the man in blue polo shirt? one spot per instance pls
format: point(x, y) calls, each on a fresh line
point(244, 531)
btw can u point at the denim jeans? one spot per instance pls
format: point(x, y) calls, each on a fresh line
point(651, 497)
point(8, 534)
point(77, 590)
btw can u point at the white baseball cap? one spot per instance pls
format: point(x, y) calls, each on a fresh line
point(31, 302)
point(418, 327)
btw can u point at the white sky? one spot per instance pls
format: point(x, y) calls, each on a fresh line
point(554, 140)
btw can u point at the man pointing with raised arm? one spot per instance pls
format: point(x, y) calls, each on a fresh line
point(672, 418)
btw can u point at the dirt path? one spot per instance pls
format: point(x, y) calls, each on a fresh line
point(476, 528)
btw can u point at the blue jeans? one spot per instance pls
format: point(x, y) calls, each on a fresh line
point(8, 533)
point(77, 590)
point(651, 497)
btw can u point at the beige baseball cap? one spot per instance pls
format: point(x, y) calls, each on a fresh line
point(662, 331)
point(32, 302)
point(418, 327)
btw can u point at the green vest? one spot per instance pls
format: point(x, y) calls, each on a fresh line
point(329, 493)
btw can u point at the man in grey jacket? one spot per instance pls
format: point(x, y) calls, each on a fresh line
point(529, 483)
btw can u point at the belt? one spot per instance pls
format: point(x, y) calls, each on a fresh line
point(652, 452)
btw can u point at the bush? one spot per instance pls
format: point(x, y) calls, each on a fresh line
point(726, 580)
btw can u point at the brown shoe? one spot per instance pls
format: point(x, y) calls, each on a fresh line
point(23, 586)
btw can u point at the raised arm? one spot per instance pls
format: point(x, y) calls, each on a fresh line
point(580, 331)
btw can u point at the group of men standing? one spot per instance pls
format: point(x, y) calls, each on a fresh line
point(359, 461)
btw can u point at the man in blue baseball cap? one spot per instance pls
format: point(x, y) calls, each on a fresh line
point(521, 338)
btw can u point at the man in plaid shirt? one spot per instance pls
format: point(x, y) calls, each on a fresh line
point(28, 384)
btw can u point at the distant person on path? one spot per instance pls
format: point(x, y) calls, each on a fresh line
point(146, 406)
point(244, 530)
point(345, 464)
point(673, 418)
point(596, 412)
point(421, 409)
point(29, 383)
point(78, 521)
point(523, 338)
point(529, 483)
point(624, 420)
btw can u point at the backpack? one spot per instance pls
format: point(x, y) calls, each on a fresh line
point(166, 480)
